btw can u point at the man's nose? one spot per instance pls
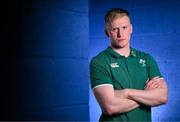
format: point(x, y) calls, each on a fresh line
point(119, 33)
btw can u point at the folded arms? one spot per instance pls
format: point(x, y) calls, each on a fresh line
point(121, 101)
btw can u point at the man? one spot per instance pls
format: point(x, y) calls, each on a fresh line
point(126, 82)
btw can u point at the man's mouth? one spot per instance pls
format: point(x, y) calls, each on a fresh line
point(121, 39)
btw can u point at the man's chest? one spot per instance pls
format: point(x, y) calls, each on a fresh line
point(129, 73)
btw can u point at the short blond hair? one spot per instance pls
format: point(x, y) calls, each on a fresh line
point(114, 14)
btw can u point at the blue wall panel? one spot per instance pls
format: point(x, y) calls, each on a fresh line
point(155, 31)
point(56, 33)
point(52, 62)
point(55, 44)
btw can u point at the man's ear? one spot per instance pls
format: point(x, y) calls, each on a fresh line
point(131, 28)
point(106, 32)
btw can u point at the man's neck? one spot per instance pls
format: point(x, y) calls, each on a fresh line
point(122, 51)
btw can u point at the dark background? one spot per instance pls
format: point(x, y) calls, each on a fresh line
point(45, 60)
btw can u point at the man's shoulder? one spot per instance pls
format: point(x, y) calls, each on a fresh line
point(140, 53)
point(100, 57)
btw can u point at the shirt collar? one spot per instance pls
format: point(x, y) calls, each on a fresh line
point(117, 55)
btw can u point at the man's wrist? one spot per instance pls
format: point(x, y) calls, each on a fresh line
point(130, 93)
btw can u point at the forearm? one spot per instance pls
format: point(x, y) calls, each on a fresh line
point(152, 97)
point(113, 102)
point(122, 105)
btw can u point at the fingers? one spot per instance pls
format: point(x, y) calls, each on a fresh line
point(154, 83)
point(149, 84)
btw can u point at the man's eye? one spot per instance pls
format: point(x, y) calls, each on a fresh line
point(114, 29)
point(124, 27)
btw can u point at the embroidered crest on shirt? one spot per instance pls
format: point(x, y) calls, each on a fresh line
point(143, 62)
point(114, 65)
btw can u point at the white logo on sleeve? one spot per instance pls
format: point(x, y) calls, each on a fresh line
point(143, 62)
point(114, 65)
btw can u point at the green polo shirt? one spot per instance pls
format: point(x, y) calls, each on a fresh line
point(111, 68)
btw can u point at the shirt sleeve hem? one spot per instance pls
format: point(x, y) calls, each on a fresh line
point(159, 76)
point(102, 85)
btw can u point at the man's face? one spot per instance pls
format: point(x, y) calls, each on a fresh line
point(119, 32)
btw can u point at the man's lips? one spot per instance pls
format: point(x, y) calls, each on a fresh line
point(120, 39)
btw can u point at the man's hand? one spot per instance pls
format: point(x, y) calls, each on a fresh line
point(156, 82)
point(155, 93)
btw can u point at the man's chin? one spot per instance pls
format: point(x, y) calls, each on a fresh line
point(116, 46)
point(119, 46)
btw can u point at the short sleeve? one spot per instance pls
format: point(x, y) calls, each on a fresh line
point(153, 69)
point(99, 74)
